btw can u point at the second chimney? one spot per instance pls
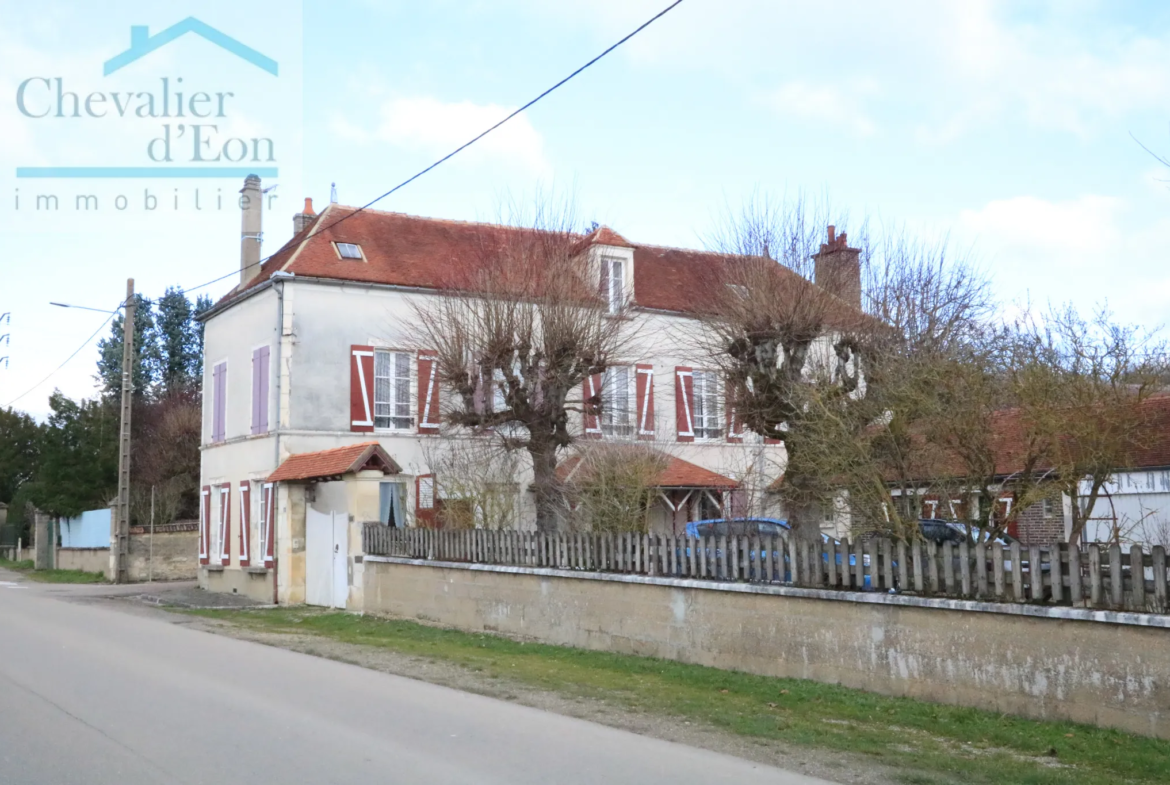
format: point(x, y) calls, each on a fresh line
point(252, 207)
point(302, 220)
point(838, 268)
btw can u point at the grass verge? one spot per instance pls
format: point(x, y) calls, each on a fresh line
point(52, 576)
point(928, 743)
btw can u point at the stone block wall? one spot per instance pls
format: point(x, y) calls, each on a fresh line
point(175, 552)
point(1086, 666)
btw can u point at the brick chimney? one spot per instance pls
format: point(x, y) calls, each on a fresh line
point(301, 220)
point(252, 208)
point(838, 268)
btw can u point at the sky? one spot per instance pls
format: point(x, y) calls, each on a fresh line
point(1011, 129)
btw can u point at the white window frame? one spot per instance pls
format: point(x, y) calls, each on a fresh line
point(263, 516)
point(707, 405)
point(225, 500)
point(609, 387)
point(615, 279)
point(397, 396)
point(256, 520)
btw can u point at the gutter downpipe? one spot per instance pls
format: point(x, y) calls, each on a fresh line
point(278, 278)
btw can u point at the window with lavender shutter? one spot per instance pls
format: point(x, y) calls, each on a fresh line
point(260, 390)
point(219, 402)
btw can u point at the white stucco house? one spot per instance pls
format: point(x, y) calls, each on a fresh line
point(319, 417)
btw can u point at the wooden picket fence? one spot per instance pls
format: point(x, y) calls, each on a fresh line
point(1094, 576)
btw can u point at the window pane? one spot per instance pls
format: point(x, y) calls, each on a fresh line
point(382, 389)
point(616, 416)
point(401, 412)
point(617, 286)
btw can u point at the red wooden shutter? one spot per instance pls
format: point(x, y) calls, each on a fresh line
point(245, 523)
point(591, 405)
point(225, 533)
point(644, 389)
point(684, 403)
point(361, 389)
point(204, 524)
point(429, 417)
point(269, 523)
point(425, 498)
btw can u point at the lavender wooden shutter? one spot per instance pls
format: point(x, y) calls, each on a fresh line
point(255, 391)
point(219, 403)
point(260, 389)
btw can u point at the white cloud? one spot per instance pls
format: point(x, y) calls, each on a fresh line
point(827, 104)
point(436, 128)
point(1088, 251)
point(1077, 230)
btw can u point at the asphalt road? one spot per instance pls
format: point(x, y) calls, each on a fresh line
point(90, 694)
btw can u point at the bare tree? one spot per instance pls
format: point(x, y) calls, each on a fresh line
point(845, 373)
point(614, 485)
point(516, 331)
point(478, 482)
point(1081, 384)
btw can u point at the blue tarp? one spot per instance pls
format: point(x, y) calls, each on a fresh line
point(90, 530)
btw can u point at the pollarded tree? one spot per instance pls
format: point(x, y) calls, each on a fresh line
point(516, 331)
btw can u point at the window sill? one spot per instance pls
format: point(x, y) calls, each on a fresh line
point(256, 570)
point(213, 567)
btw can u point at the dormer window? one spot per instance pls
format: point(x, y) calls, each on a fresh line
point(349, 250)
point(613, 284)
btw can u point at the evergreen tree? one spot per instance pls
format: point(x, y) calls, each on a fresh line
point(179, 344)
point(20, 451)
point(79, 460)
point(146, 353)
point(202, 304)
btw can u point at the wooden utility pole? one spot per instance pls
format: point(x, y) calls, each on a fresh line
point(122, 507)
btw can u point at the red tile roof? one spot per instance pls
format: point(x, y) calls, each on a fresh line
point(407, 250)
point(334, 463)
point(677, 473)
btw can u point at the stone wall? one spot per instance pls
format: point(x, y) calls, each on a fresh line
point(84, 559)
point(1088, 666)
point(175, 552)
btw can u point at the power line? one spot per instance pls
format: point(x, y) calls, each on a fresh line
point(473, 140)
point(402, 184)
point(67, 359)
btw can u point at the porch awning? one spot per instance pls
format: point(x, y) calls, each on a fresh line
point(677, 473)
point(335, 463)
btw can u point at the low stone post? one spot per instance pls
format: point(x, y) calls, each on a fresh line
point(42, 542)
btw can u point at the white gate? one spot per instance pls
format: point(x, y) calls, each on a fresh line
point(326, 563)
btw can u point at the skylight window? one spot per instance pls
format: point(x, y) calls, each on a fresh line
point(349, 251)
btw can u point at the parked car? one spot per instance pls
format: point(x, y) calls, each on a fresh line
point(738, 527)
point(763, 527)
point(940, 531)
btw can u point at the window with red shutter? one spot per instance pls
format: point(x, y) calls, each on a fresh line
point(204, 524)
point(225, 524)
point(245, 523)
point(644, 390)
point(268, 524)
point(361, 389)
point(591, 405)
point(429, 417)
point(684, 403)
point(425, 500)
